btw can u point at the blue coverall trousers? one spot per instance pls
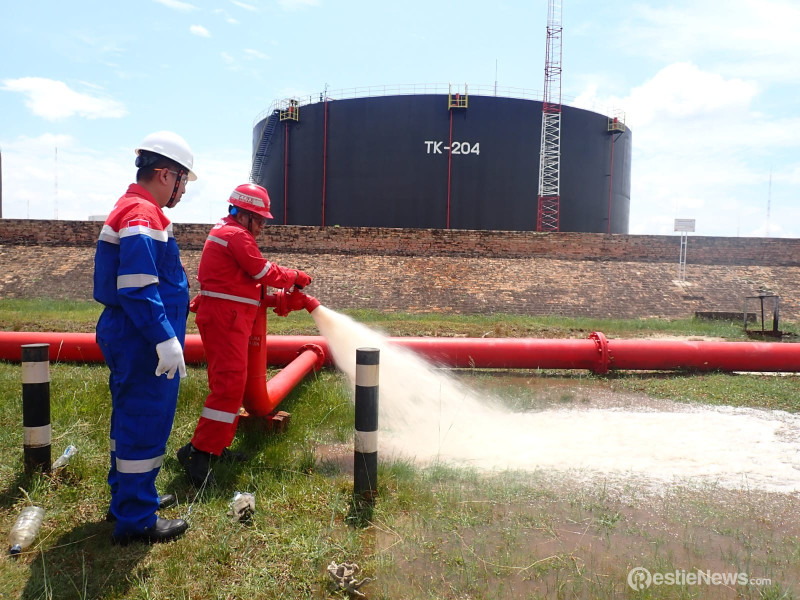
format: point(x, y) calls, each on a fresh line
point(142, 413)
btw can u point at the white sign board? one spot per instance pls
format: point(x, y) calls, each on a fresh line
point(684, 224)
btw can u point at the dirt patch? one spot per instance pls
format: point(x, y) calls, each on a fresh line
point(336, 458)
point(686, 338)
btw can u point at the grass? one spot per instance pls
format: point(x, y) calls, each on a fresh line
point(81, 316)
point(436, 532)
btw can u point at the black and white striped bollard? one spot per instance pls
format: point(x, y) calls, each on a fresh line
point(365, 457)
point(36, 406)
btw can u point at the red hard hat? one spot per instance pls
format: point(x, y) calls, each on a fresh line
point(252, 197)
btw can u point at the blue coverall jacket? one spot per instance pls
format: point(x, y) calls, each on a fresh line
point(140, 280)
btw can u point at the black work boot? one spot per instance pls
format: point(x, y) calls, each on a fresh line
point(230, 456)
point(164, 501)
point(197, 465)
point(163, 530)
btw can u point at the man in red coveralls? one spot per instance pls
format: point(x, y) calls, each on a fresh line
point(232, 275)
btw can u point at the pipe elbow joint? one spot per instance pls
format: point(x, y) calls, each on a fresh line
point(316, 350)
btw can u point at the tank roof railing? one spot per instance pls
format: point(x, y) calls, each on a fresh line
point(411, 89)
point(407, 89)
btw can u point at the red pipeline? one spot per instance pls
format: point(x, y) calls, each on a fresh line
point(596, 354)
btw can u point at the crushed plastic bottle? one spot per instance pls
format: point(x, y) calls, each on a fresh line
point(25, 528)
point(64, 458)
point(243, 506)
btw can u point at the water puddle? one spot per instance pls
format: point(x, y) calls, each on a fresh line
point(429, 416)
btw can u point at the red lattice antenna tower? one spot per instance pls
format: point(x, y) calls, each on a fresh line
point(550, 155)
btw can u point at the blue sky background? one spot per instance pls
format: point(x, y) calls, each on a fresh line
point(711, 90)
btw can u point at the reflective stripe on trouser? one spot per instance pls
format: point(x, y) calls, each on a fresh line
point(225, 328)
point(142, 412)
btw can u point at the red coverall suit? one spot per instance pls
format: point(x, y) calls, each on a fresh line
point(232, 274)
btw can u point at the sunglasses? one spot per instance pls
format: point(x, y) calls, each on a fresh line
point(184, 177)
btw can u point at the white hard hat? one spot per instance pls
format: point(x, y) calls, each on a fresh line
point(171, 145)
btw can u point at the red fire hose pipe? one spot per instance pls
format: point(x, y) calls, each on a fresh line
point(64, 347)
point(262, 396)
point(600, 355)
point(595, 354)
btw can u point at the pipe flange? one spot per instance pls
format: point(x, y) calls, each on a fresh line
point(604, 359)
point(316, 350)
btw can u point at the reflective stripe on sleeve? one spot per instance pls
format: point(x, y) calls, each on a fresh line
point(139, 466)
point(229, 297)
point(216, 240)
point(137, 280)
point(113, 445)
point(156, 234)
point(263, 271)
point(107, 234)
point(218, 415)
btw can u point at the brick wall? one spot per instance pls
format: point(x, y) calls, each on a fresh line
point(439, 242)
point(459, 271)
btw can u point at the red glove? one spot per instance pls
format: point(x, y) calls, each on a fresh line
point(195, 303)
point(302, 279)
point(295, 300)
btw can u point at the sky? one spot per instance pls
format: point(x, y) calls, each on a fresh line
point(708, 88)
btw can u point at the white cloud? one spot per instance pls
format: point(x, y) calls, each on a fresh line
point(228, 19)
point(243, 5)
point(749, 37)
point(100, 44)
point(89, 180)
point(42, 184)
point(703, 149)
point(230, 62)
point(792, 176)
point(683, 91)
point(177, 5)
point(218, 173)
point(54, 100)
point(199, 30)
point(250, 53)
point(297, 4)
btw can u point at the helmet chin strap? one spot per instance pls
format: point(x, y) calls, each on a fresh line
point(171, 202)
point(250, 224)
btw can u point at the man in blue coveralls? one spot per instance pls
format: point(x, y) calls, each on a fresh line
point(140, 280)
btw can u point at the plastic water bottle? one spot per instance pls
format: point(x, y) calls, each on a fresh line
point(64, 458)
point(25, 528)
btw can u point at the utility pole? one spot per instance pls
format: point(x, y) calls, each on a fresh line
point(769, 199)
point(549, 199)
point(55, 201)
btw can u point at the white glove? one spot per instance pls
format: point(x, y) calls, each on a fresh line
point(170, 358)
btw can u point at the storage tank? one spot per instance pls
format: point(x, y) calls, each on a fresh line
point(437, 160)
